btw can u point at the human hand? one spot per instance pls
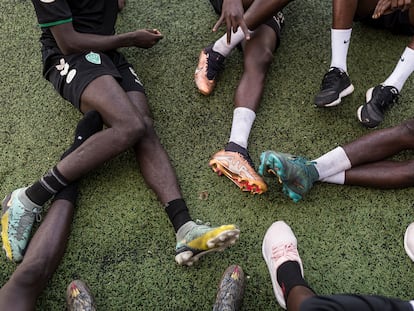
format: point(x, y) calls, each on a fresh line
point(388, 6)
point(121, 5)
point(146, 38)
point(232, 13)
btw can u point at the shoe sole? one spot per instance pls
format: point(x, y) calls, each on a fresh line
point(337, 101)
point(200, 80)
point(5, 227)
point(368, 97)
point(279, 173)
point(231, 289)
point(407, 250)
point(243, 183)
point(280, 299)
point(217, 244)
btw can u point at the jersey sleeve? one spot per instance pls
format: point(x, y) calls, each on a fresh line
point(52, 12)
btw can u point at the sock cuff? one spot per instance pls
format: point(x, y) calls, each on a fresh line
point(69, 193)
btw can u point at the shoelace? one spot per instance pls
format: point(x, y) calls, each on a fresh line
point(303, 163)
point(286, 250)
point(390, 98)
point(215, 63)
point(330, 78)
point(37, 213)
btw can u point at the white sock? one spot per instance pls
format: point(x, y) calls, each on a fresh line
point(340, 39)
point(243, 119)
point(223, 48)
point(402, 71)
point(412, 304)
point(338, 178)
point(332, 163)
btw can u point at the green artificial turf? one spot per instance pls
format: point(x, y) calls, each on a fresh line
point(122, 243)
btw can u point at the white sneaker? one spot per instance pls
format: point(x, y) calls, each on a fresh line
point(279, 246)
point(409, 241)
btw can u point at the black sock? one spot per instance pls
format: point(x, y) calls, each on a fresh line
point(231, 146)
point(289, 275)
point(90, 124)
point(44, 189)
point(178, 213)
point(54, 182)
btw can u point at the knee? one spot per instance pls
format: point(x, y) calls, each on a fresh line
point(131, 130)
point(260, 61)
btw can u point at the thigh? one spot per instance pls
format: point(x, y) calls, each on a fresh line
point(217, 5)
point(263, 39)
point(105, 95)
point(71, 74)
point(266, 36)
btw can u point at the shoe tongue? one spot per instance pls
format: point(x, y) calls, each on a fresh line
point(233, 147)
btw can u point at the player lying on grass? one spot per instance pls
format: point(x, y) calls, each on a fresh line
point(362, 162)
point(81, 60)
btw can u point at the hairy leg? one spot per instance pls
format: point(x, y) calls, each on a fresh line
point(368, 153)
point(381, 144)
point(258, 55)
point(152, 158)
point(382, 174)
point(41, 259)
point(125, 127)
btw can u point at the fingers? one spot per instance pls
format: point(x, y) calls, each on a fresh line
point(218, 24)
point(382, 7)
point(388, 6)
point(246, 31)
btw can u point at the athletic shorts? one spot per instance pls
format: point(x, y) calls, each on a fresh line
point(276, 22)
point(397, 22)
point(353, 303)
point(71, 74)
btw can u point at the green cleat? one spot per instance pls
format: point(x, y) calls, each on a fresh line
point(17, 218)
point(203, 239)
point(297, 174)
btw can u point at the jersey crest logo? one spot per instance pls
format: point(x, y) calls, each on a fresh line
point(93, 58)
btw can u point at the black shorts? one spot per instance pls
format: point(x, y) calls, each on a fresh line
point(71, 74)
point(276, 22)
point(397, 22)
point(354, 302)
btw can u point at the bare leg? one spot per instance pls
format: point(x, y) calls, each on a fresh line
point(258, 55)
point(368, 153)
point(381, 144)
point(41, 260)
point(262, 10)
point(152, 158)
point(49, 242)
point(125, 128)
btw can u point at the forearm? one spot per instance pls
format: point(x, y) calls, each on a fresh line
point(83, 42)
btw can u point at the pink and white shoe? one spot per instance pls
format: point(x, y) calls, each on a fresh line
point(279, 246)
